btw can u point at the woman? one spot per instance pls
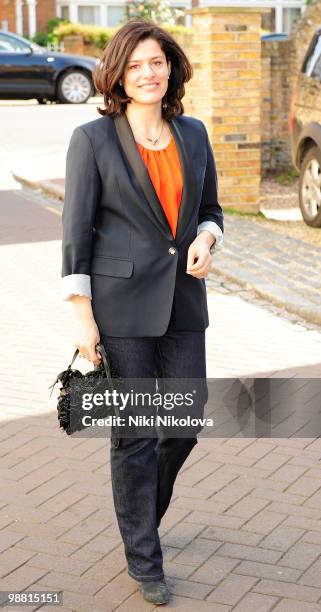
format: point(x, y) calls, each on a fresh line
point(140, 221)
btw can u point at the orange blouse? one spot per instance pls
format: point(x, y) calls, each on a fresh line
point(166, 175)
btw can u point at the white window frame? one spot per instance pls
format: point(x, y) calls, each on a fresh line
point(278, 5)
point(103, 6)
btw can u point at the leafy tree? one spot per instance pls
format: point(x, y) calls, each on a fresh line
point(159, 11)
point(50, 36)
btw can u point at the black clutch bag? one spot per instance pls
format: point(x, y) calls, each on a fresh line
point(73, 384)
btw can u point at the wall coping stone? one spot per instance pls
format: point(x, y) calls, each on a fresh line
point(225, 9)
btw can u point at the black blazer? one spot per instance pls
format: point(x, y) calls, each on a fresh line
point(116, 233)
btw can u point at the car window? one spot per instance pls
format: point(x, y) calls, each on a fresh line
point(312, 63)
point(10, 44)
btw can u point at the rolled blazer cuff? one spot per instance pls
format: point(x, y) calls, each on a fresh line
point(212, 227)
point(75, 284)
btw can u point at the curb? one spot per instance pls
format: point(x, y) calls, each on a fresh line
point(48, 187)
point(271, 293)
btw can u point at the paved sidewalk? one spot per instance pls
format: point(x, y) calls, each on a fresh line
point(243, 532)
point(282, 269)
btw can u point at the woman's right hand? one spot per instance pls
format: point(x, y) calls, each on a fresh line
point(86, 338)
point(86, 331)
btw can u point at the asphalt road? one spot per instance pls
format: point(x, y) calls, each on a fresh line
point(29, 126)
point(28, 129)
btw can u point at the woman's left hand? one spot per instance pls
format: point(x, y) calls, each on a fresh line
point(199, 258)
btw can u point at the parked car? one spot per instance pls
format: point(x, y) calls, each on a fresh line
point(30, 71)
point(305, 130)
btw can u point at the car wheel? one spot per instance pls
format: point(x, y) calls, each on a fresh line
point(310, 187)
point(41, 101)
point(74, 87)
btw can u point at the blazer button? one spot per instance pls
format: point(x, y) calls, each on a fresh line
point(172, 251)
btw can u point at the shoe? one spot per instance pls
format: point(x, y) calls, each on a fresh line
point(155, 591)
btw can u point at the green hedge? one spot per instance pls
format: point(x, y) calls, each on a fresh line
point(95, 35)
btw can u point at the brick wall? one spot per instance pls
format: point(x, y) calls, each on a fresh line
point(8, 13)
point(278, 78)
point(281, 62)
point(46, 9)
point(226, 95)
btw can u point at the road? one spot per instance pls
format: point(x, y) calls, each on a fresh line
point(29, 129)
point(33, 127)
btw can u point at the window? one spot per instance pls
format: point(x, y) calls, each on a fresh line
point(115, 15)
point(64, 11)
point(10, 44)
point(88, 15)
point(290, 16)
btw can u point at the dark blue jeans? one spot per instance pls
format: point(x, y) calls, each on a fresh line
point(143, 470)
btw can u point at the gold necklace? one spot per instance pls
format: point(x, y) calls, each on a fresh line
point(154, 141)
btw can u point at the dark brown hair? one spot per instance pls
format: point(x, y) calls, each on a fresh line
point(114, 60)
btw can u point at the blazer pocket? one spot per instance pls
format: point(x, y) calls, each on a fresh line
point(112, 266)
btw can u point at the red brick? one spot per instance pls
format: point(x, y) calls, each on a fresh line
point(107, 569)
point(300, 556)
point(195, 590)
point(288, 473)
point(118, 590)
point(182, 534)
point(282, 538)
point(289, 605)
point(264, 522)
point(305, 486)
point(214, 570)
point(293, 509)
point(177, 570)
point(66, 582)
point(284, 589)
point(12, 559)
point(312, 577)
point(191, 476)
point(52, 547)
point(266, 570)
point(232, 535)
point(197, 552)
point(233, 522)
point(249, 553)
point(8, 539)
point(67, 565)
point(232, 589)
point(21, 578)
point(247, 507)
point(253, 602)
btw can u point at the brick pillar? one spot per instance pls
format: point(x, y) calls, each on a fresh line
point(74, 44)
point(226, 94)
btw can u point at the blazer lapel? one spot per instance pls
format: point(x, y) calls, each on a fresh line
point(140, 171)
point(188, 194)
